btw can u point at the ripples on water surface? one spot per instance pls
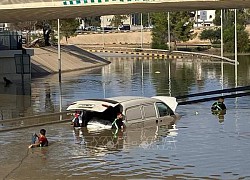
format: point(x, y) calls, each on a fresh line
point(202, 146)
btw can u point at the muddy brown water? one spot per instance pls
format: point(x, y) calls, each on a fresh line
point(201, 146)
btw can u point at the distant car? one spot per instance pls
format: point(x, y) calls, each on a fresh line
point(79, 31)
point(137, 111)
point(90, 28)
point(124, 27)
point(108, 28)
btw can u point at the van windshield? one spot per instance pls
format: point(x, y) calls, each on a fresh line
point(164, 110)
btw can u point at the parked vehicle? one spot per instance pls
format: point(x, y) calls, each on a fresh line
point(137, 111)
point(124, 27)
point(90, 28)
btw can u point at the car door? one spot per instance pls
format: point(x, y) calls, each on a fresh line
point(149, 114)
point(134, 116)
point(164, 113)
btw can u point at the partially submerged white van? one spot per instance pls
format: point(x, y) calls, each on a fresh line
point(137, 111)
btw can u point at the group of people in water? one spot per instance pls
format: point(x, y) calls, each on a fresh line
point(217, 108)
point(81, 119)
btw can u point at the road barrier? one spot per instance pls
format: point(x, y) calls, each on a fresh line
point(157, 53)
point(181, 99)
point(32, 121)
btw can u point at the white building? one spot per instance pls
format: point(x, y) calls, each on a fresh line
point(106, 20)
point(204, 18)
point(4, 26)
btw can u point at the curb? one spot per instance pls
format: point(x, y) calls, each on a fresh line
point(145, 55)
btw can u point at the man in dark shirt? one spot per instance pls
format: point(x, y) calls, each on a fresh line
point(219, 105)
point(117, 123)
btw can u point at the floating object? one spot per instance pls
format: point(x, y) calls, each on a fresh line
point(157, 72)
point(196, 113)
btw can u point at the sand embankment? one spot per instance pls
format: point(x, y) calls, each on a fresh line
point(110, 38)
point(123, 38)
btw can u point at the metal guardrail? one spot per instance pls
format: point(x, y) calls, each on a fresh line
point(161, 51)
point(32, 121)
point(82, 32)
point(229, 90)
point(207, 55)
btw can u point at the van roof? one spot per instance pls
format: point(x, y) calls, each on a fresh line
point(100, 105)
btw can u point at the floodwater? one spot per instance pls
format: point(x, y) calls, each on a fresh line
point(200, 146)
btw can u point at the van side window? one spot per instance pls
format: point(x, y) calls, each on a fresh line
point(149, 111)
point(163, 109)
point(133, 113)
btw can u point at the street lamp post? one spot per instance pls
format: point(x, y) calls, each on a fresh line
point(169, 46)
point(59, 66)
point(59, 51)
point(221, 20)
point(103, 41)
point(141, 32)
point(236, 48)
point(222, 50)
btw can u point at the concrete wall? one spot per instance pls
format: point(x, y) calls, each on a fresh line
point(9, 95)
point(8, 67)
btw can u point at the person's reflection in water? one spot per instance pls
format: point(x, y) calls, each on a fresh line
point(220, 115)
point(221, 118)
point(78, 134)
point(48, 103)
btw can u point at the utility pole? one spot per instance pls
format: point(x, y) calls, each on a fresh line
point(141, 32)
point(236, 48)
point(222, 50)
point(59, 51)
point(169, 38)
point(59, 66)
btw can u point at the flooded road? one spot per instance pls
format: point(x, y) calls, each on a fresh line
point(200, 146)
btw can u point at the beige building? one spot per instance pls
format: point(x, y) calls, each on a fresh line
point(4, 26)
point(106, 20)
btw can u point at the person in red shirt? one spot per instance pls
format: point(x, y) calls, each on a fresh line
point(41, 140)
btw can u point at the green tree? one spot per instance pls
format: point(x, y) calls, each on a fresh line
point(228, 29)
point(28, 27)
point(242, 35)
point(118, 20)
point(213, 35)
point(181, 25)
point(160, 31)
point(180, 28)
point(68, 27)
point(228, 17)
